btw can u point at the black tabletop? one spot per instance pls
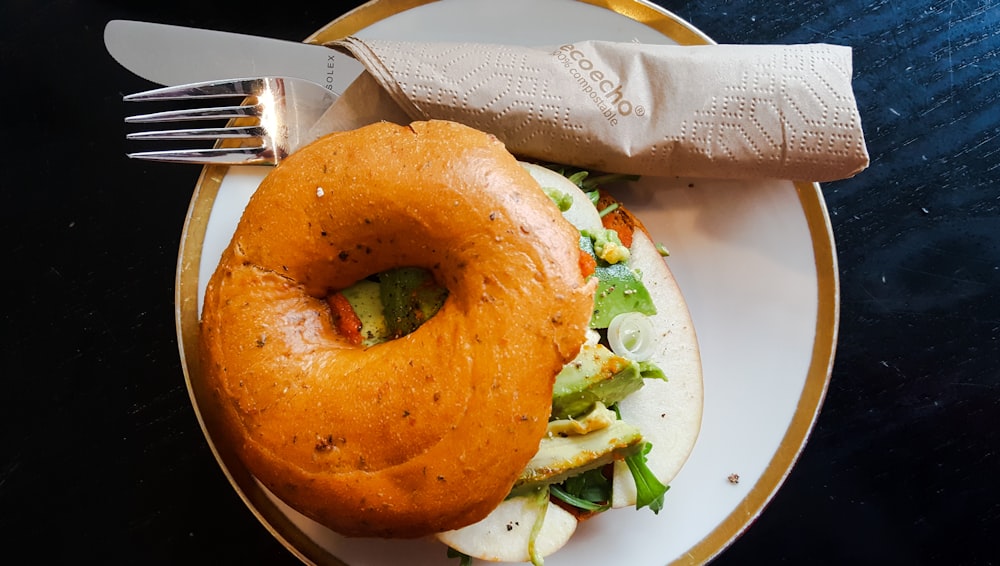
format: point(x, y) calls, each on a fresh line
point(102, 458)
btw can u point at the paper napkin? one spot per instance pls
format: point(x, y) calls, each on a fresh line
point(722, 111)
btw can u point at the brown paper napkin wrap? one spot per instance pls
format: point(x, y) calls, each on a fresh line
point(722, 111)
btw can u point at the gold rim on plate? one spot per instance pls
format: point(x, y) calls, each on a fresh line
point(794, 439)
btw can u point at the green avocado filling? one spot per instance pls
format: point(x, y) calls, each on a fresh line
point(596, 375)
point(394, 303)
point(563, 453)
point(410, 297)
point(562, 200)
point(607, 246)
point(619, 289)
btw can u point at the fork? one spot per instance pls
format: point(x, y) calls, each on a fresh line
point(278, 112)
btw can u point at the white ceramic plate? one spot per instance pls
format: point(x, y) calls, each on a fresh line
point(755, 260)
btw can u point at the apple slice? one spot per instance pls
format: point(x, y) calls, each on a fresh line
point(667, 412)
point(582, 213)
point(505, 534)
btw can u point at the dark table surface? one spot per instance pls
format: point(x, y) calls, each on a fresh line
point(101, 456)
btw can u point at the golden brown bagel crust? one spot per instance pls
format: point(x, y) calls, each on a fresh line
point(421, 434)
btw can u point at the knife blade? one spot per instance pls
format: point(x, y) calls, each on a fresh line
point(171, 55)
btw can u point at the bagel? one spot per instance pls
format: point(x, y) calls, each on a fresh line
point(427, 432)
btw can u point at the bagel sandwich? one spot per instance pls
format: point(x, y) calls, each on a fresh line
point(643, 428)
point(414, 334)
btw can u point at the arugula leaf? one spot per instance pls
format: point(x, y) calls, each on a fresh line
point(578, 178)
point(592, 486)
point(590, 185)
point(649, 490)
point(577, 502)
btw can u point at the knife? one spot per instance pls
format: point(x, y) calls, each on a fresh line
point(171, 55)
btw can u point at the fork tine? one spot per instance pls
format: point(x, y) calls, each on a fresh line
point(240, 132)
point(297, 107)
point(196, 114)
point(219, 156)
point(207, 89)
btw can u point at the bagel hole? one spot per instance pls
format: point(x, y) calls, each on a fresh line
point(386, 305)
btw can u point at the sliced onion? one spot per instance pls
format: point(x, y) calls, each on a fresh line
point(632, 336)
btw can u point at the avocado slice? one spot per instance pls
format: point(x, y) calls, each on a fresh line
point(410, 296)
point(596, 375)
point(365, 298)
point(561, 456)
point(396, 304)
point(619, 289)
